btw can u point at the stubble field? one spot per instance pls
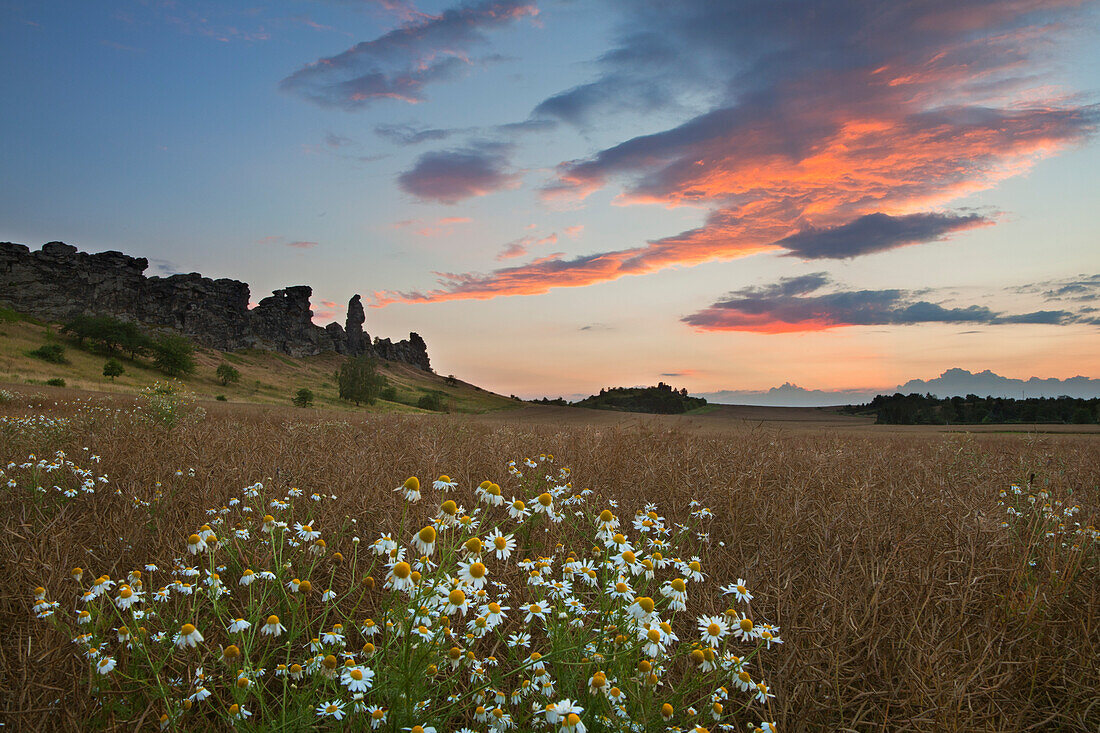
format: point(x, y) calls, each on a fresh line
point(902, 602)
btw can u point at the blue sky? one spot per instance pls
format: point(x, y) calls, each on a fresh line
point(660, 176)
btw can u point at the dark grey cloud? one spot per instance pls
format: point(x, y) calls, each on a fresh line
point(400, 63)
point(797, 304)
point(1079, 288)
point(450, 176)
point(411, 134)
point(876, 232)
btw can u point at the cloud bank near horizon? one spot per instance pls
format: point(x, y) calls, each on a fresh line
point(815, 302)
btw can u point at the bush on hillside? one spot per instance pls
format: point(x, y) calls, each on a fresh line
point(53, 353)
point(174, 355)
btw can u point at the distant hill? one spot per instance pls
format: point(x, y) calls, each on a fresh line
point(660, 400)
point(952, 383)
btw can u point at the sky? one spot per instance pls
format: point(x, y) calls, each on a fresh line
point(564, 195)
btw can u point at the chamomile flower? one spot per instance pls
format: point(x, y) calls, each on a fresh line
point(410, 489)
point(500, 544)
point(473, 574)
point(272, 627)
point(518, 510)
point(305, 532)
point(238, 625)
point(333, 709)
point(400, 576)
point(424, 540)
point(738, 591)
point(357, 679)
point(712, 630)
point(188, 636)
point(105, 665)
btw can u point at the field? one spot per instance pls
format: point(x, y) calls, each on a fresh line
point(903, 603)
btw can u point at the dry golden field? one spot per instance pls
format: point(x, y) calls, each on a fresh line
point(903, 603)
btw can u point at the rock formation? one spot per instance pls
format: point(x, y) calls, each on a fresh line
point(58, 283)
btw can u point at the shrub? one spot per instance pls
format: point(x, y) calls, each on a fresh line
point(53, 353)
point(221, 398)
point(228, 374)
point(56, 382)
point(174, 355)
point(359, 380)
point(303, 398)
point(389, 394)
point(112, 368)
point(432, 401)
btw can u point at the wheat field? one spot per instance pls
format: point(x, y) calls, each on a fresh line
point(903, 602)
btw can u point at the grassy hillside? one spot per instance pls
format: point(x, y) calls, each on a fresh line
point(266, 377)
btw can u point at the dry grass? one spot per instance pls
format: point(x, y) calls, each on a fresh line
point(877, 553)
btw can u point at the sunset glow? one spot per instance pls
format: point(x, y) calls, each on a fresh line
point(564, 196)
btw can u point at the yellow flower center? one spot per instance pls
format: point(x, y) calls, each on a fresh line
point(187, 629)
point(232, 651)
point(477, 570)
point(450, 508)
point(194, 539)
point(412, 483)
point(356, 674)
point(746, 625)
point(473, 545)
point(619, 538)
point(606, 516)
point(402, 570)
point(679, 585)
point(457, 597)
point(427, 535)
point(714, 629)
point(330, 662)
point(545, 499)
point(653, 635)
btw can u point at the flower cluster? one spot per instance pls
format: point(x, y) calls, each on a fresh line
point(528, 606)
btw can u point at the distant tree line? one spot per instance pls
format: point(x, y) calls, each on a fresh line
point(662, 399)
point(916, 409)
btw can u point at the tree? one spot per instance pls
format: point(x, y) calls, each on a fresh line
point(174, 355)
point(304, 397)
point(227, 374)
point(112, 368)
point(359, 380)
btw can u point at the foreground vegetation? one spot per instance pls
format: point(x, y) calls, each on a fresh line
point(914, 586)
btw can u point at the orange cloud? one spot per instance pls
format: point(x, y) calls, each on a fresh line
point(826, 143)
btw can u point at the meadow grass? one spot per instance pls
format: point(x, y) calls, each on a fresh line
point(903, 601)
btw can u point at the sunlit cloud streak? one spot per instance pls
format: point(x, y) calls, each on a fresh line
point(831, 134)
point(799, 304)
point(426, 49)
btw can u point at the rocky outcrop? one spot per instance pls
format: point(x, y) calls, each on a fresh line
point(59, 282)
